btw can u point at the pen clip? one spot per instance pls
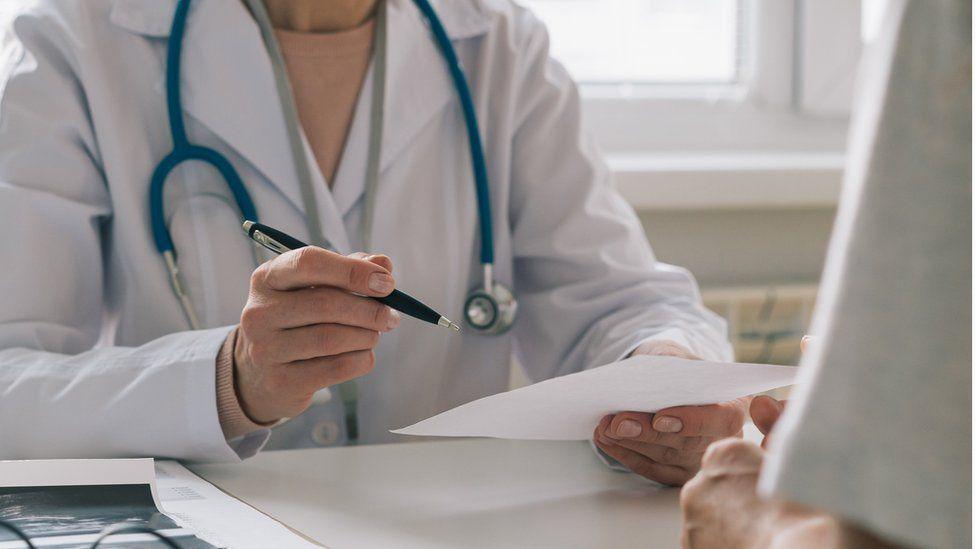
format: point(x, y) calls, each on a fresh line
point(268, 242)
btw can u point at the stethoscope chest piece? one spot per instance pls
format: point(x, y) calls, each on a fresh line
point(490, 312)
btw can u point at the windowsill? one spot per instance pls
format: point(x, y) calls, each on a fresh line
point(752, 180)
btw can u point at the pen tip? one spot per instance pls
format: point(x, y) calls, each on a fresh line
point(445, 322)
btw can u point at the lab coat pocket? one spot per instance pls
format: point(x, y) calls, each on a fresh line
point(215, 256)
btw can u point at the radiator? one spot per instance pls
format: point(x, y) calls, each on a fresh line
point(765, 322)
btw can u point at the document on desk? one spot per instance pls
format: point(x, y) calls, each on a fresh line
point(218, 517)
point(69, 503)
point(570, 406)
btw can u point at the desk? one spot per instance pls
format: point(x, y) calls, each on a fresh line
point(458, 493)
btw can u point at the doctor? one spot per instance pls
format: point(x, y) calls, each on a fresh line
point(343, 124)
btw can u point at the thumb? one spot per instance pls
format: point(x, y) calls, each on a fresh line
point(765, 412)
point(805, 343)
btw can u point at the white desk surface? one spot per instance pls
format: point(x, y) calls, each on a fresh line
point(458, 493)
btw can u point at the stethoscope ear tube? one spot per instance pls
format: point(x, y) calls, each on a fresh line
point(490, 309)
point(157, 186)
point(161, 235)
point(176, 281)
point(183, 151)
point(471, 122)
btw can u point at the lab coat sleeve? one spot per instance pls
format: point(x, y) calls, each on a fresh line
point(62, 392)
point(590, 289)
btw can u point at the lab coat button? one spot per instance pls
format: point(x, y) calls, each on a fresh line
point(325, 433)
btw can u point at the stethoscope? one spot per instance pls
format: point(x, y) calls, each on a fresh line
point(489, 308)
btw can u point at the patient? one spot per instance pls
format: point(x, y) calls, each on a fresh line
point(874, 448)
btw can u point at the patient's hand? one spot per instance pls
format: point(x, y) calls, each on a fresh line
point(667, 447)
point(765, 412)
point(721, 508)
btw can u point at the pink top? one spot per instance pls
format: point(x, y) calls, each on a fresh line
point(327, 71)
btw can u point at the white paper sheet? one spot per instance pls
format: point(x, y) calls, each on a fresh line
point(569, 407)
point(217, 517)
point(194, 506)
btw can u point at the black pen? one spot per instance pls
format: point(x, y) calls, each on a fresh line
point(279, 243)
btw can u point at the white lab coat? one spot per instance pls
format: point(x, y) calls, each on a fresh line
point(96, 357)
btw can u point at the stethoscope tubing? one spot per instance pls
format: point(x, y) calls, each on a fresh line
point(471, 121)
point(184, 151)
point(174, 54)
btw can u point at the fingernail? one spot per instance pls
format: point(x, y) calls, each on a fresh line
point(394, 320)
point(628, 428)
point(381, 282)
point(667, 424)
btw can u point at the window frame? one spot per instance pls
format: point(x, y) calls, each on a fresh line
point(781, 131)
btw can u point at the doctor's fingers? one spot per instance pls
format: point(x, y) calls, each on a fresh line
point(380, 259)
point(636, 426)
point(642, 465)
point(312, 266)
point(724, 419)
point(316, 373)
point(666, 455)
point(319, 340)
point(318, 306)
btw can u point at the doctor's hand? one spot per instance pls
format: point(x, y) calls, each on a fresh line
point(667, 447)
point(305, 328)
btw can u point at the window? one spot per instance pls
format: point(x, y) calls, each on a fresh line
point(795, 53)
point(714, 103)
point(645, 41)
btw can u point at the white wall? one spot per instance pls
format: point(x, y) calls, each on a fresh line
point(743, 247)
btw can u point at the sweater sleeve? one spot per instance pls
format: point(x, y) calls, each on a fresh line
point(233, 420)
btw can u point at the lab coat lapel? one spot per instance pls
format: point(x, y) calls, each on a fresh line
point(228, 85)
point(418, 86)
point(350, 176)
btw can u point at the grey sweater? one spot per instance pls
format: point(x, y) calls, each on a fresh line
point(880, 432)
